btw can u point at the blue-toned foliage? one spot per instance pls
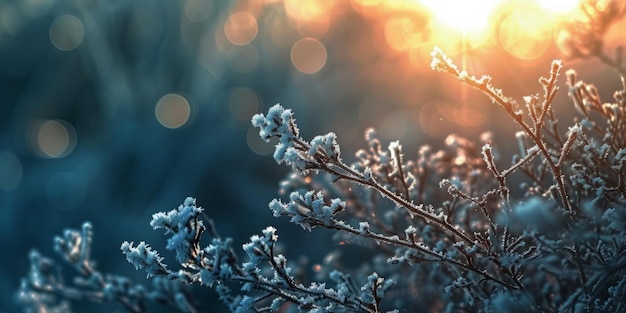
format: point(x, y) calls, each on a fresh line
point(444, 231)
point(263, 276)
point(44, 288)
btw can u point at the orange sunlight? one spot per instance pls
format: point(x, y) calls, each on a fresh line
point(523, 28)
point(392, 40)
point(559, 6)
point(463, 15)
point(473, 16)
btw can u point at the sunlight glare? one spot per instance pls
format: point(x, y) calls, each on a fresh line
point(558, 6)
point(463, 15)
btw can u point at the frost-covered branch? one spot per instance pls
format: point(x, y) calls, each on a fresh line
point(265, 276)
point(44, 288)
point(536, 112)
point(450, 230)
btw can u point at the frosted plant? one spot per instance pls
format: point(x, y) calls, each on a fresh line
point(461, 229)
point(446, 230)
point(44, 288)
point(577, 239)
point(265, 280)
point(549, 251)
point(467, 245)
point(585, 35)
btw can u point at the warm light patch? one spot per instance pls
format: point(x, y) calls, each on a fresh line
point(463, 15)
point(458, 26)
point(558, 6)
point(401, 33)
point(524, 38)
point(307, 9)
point(314, 28)
point(365, 3)
point(308, 55)
point(241, 28)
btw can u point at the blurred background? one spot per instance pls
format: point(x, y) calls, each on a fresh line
point(113, 110)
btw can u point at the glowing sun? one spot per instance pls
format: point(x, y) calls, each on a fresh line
point(463, 15)
point(476, 15)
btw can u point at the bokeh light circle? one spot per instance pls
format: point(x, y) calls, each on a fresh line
point(241, 28)
point(53, 138)
point(308, 55)
point(172, 110)
point(66, 32)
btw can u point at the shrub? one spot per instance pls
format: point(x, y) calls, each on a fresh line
point(448, 231)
